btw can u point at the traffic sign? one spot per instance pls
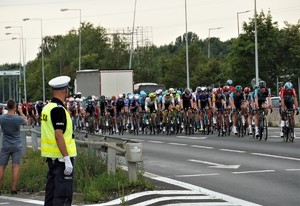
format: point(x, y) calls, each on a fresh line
point(10, 73)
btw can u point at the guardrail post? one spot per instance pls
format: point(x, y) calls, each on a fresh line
point(34, 139)
point(132, 171)
point(111, 159)
point(133, 154)
point(24, 142)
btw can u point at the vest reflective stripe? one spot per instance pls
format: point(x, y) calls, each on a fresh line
point(48, 143)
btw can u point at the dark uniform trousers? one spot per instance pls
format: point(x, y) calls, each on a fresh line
point(59, 187)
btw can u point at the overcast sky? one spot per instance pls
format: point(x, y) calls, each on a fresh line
point(165, 18)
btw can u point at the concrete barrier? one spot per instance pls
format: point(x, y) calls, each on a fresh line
point(274, 119)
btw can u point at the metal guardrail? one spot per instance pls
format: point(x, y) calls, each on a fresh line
point(111, 145)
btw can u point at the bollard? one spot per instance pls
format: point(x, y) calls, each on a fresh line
point(133, 154)
point(24, 143)
point(34, 140)
point(111, 159)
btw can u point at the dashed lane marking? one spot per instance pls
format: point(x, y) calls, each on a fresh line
point(202, 147)
point(198, 175)
point(231, 150)
point(276, 156)
point(292, 170)
point(30, 201)
point(176, 144)
point(156, 142)
point(250, 172)
point(188, 137)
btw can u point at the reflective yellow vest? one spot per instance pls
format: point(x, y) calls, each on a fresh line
point(49, 146)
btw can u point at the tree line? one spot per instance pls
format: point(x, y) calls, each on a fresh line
point(278, 57)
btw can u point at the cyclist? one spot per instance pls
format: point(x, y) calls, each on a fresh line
point(72, 108)
point(219, 103)
point(262, 98)
point(167, 104)
point(288, 97)
point(134, 111)
point(250, 107)
point(186, 104)
point(31, 113)
point(203, 100)
point(120, 108)
point(237, 102)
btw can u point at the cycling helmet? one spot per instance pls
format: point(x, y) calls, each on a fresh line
point(255, 87)
point(158, 92)
point(120, 96)
point(168, 93)
point(203, 89)
point(247, 90)
point(198, 89)
point(29, 103)
point(288, 86)
point(238, 88)
point(214, 90)
point(152, 95)
point(219, 90)
point(178, 92)
point(174, 91)
point(102, 97)
point(71, 99)
point(136, 96)
point(262, 84)
point(77, 99)
point(209, 88)
point(143, 94)
point(113, 98)
point(187, 91)
point(226, 88)
point(229, 82)
point(108, 99)
point(130, 96)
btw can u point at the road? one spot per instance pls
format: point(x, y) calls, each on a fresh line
point(261, 172)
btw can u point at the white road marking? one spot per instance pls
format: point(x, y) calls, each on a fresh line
point(202, 147)
point(215, 165)
point(230, 150)
point(198, 175)
point(138, 140)
point(257, 171)
point(37, 202)
point(217, 195)
point(292, 170)
point(141, 194)
point(177, 144)
point(276, 156)
point(156, 142)
point(203, 204)
point(4, 203)
point(188, 137)
point(159, 199)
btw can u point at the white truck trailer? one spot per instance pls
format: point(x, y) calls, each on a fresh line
point(104, 82)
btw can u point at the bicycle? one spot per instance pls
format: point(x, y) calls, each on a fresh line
point(239, 123)
point(262, 124)
point(288, 128)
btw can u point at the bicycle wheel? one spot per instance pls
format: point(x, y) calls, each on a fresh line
point(261, 128)
point(292, 135)
point(265, 128)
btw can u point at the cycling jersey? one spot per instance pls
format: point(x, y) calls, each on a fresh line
point(120, 104)
point(186, 101)
point(204, 99)
point(167, 101)
point(262, 96)
point(151, 104)
point(218, 100)
point(90, 109)
point(288, 95)
point(238, 99)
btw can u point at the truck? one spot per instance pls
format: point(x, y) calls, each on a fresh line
point(104, 82)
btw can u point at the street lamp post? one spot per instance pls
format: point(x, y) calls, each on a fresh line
point(238, 21)
point(24, 63)
point(79, 32)
point(208, 50)
point(256, 50)
point(42, 46)
point(187, 50)
point(20, 61)
point(132, 32)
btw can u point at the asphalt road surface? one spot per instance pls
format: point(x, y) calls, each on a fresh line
point(261, 172)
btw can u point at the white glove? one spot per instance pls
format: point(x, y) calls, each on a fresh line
point(68, 165)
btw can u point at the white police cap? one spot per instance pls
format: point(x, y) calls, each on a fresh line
point(60, 82)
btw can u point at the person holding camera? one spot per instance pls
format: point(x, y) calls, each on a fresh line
point(11, 145)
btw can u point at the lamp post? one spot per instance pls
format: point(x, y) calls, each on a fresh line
point(24, 63)
point(256, 50)
point(208, 51)
point(79, 32)
point(132, 32)
point(20, 61)
point(187, 50)
point(42, 48)
point(238, 21)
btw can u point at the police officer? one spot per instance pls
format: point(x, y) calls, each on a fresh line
point(58, 145)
